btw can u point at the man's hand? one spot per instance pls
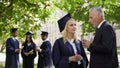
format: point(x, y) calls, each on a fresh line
point(38, 49)
point(86, 43)
point(18, 50)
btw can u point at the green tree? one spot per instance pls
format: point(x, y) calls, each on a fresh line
point(28, 15)
point(80, 11)
point(24, 14)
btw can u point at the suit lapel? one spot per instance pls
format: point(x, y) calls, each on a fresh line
point(98, 32)
point(103, 24)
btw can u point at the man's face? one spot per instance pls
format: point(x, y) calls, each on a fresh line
point(43, 37)
point(93, 18)
point(15, 33)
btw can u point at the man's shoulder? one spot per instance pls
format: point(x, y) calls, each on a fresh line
point(9, 39)
point(47, 42)
point(59, 39)
point(106, 25)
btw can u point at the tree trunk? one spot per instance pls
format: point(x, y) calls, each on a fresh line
point(3, 46)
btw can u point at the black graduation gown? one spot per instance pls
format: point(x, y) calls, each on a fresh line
point(45, 56)
point(28, 61)
point(103, 51)
point(61, 53)
point(12, 58)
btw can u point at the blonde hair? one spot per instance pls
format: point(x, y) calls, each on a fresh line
point(64, 32)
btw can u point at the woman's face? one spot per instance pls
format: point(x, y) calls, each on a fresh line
point(71, 26)
point(28, 38)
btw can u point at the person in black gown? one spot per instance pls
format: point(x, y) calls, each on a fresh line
point(12, 50)
point(44, 52)
point(67, 50)
point(28, 51)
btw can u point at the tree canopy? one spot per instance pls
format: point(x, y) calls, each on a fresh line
point(80, 10)
point(27, 15)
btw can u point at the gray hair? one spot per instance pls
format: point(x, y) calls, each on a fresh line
point(98, 10)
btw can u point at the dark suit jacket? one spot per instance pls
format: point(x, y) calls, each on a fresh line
point(103, 51)
point(62, 51)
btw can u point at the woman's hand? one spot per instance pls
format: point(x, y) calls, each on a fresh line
point(38, 49)
point(79, 57)
point(26, 54)
point(75, 58)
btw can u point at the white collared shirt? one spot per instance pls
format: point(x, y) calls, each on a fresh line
point(73, 45)
point(14, 38)
point(100, 24)
point(46, 40)
point(74, 48)
point(28, 44)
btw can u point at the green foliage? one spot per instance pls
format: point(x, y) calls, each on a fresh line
point(80, 11)
point(27, 15)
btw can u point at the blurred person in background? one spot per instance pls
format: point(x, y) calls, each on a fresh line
point(44, 52)
point(12, 50)
point(28, 51)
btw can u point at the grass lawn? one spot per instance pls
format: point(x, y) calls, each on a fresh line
point(35, 66)
point(118, 50)
point(1, 66)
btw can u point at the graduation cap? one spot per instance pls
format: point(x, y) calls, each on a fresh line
point(44, 33)
point(29, 33)
point(14, 30)
point(62, 22)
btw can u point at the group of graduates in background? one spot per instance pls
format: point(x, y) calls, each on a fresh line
point(28, 51)
point(67, 51)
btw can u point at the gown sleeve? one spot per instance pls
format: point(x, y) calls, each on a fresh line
point(10, 48)
point(58, 60)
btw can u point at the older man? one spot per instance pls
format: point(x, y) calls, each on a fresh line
point(103, 51)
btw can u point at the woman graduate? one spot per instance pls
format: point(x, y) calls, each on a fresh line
point(67, 50)
point(28, 51)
